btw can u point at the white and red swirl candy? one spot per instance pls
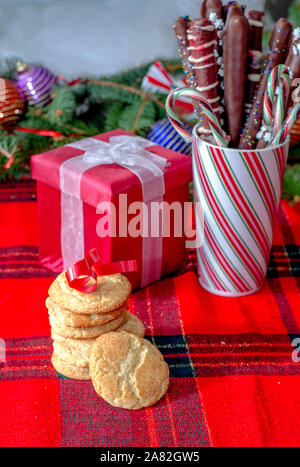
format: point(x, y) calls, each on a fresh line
point(157, 79)
point(202, 39)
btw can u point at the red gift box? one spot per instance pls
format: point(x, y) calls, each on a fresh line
point(79, 199)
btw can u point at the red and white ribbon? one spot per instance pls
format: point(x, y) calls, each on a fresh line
point(129, 152)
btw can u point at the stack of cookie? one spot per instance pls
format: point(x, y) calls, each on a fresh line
point(77, 319)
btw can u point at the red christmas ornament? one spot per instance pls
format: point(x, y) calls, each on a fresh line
point(11, 104)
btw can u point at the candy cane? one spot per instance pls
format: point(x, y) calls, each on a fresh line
point(278, 45)
point(274, 107)
point(282, 100)
point(269, 97)
point(286, 127)
point(220, 138)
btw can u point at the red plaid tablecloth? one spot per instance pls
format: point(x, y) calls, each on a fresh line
point(233, 381)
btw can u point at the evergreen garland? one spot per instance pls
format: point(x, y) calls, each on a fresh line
point(84, 109)
point(91, 107)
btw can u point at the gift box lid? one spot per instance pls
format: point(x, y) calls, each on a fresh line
point(108, 180)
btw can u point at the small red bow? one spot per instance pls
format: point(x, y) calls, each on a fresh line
point(90, 267)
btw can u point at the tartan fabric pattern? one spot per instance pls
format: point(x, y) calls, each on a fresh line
point(284, 261)
point(233, 381)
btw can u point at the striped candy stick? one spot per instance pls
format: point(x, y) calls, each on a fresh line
point(274, 107)
point(284, 84)
point(269, 96)
point(286, 127)
point(220, 137)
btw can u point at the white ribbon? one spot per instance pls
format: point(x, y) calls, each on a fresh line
point(129, 152)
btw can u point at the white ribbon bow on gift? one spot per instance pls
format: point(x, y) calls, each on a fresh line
point(129, 152)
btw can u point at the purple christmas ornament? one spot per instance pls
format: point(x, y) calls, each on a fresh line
point(35, 84)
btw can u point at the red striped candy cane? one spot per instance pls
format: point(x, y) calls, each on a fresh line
point(220, 137)
point(286, 127)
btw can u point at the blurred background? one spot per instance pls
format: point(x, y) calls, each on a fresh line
point(98, 37)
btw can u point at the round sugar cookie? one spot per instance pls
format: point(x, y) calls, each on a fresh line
point(132, 324)
point(70, 356)
point(111, 293)
point(84, 333)
point(73, 351)
point(79, 320)
point(128, 371)
point(71, 371)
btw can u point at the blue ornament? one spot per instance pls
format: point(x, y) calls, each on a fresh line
point(165, 135)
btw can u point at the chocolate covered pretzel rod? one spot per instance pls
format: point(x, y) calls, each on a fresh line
point(211, 6)
point(235, 69)
point(229, 5)
point(294, 49)
point(202, 39)
point(293, 63)
point(254, 56)
point(180, 27)
point(278, 47)
point(212, 10)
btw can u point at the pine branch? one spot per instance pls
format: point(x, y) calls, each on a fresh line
point(138, 115)
point(127, 93)
point(5, 153)
point(62, 108)
point(113, 114)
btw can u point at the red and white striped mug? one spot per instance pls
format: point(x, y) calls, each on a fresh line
point(239, 194)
